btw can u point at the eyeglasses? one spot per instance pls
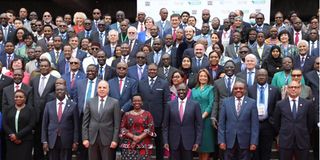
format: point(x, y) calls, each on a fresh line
point(74, 63)
point(294, 87)
point(122, 68)
point(63, 26)
point(95, 49)
point(87, 23)
point(140, 57)
point(296, 75)
point(242, 51)
point(46, 16)
point(96, 13)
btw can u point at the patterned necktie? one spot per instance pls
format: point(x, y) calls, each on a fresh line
point(88, 96)
point(238, 106)
point(151, 82)
point(302, 62)
point(296, 38)
point(166, 72)
point(72, 79)
point(57, 56)
point(101, 72)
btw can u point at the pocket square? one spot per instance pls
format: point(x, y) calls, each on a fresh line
point(159, 89)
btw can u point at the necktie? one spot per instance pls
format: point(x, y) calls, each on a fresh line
point(57, 56)
point(294, 109)
point(123, 60)
point(238, 106)
point(199, 62)
point(88, 34)
point(139, 72)
point(237, 48)
point(5, 33)
point(243, 66)
point(60, 111)
point(312, 46)
point(72, 79)
point(181, 110)
point(130, 45)
point(174, 36)
point(120, 86)
point(8, 61)
point(17, 87)
point(151, 82)
point(88, 96)
point(166, 71)
point(250, 78)
point(101, 38)
point(101, 72)
point(296, 38)
point(41, 86)
point(229, 86)
point(141, 27)
point(67, 68)
point(302, 62)
point(156, 58)
point(101, 106)
point(261, 95)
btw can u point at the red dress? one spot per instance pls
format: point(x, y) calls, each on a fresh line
point(137, 123)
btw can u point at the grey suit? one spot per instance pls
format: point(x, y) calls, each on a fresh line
point(265, 52)
point(231, 52)
point(101, 128)
point(163, 28)
point(162, 75)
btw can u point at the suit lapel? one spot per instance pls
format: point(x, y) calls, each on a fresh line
point(300, 107)
point(243, 105)
point(176, 110)
point(287, 108)
point(233, 107)
point(106, 104)
point(66, 109)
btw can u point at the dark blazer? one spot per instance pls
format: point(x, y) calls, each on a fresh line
point(40, 101)
point(265, 28)
point(230, 51)
point(80, 92)
point(155, 98)
point(204, 64)
point(292, 36)
point(135, 48)
point(312, 79)
point(42, 42)
point(220, 34)
point(151, 60)
point(308, 63)
point(244, 128)
point(173, 56)
point(81, 54)
point(170, 72)
point(244, 75)
point(106, 123)
point(294, 132)
point(163, 30)
point(273, 97)
point(315, 52)
point(182, 47)
point(265, 52)
point(11, 33)
point(94, 35)
point(130, 87)
point(109, 72)
point(219, 70)
point(131, 61)
point(26, 122)
point(61, 66)
point(53, 57)
point(4, 82)
point(8, 95)
point(107, 50)
point(133, 72)
point(67, 128)
point(189, 130)
point(67, 76)
point(189, 52)
point(3, 59)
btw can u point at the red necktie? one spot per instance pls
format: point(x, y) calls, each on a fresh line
point(72, 80)
point(181, 110)
point(60, 111)
point(296, 38)
point(174, 36)
point(120, 85)
point(17, 87)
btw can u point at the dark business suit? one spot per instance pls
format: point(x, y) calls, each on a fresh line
point(130, 87)
point(4, 59)
point(308, 63)
point(266, 131)
point(150, 58)
point(39, 105)
point(43, 43)
point(4, 82)
point(163, 28)
point(61, 66)
point(244, 75)
point(101, 128)
point(60, 135)
point(8, 95)
point(135, 47)
point(133, 73)
point(231, 52)
point(26, 123)
point(53, 57)
point(81, 55)
point(204, 64)
point(10, 33)
point(265, 52)
point(67, 76)
point(80, 93)
point(238, 131)
point(189, 52)
point(154, 101)
point(107, 72)
point(182, 135)
point(182, 47)
point(265, 28)
point(162, 75)
point(93, 35)
point(130, 61)
point(173, 55)
point(219, 70)
point(108, 51)
point(294, 132)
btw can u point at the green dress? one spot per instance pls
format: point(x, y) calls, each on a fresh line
point(280, 79)
point(205, 98)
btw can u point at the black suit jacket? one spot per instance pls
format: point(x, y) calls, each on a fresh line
point(312, 80)
point(40, 101)
point(8, 95)
point(170, 72)
point(109, 72)
point(4, 82)
point(308, 64)
point(294, 132)
point(11, 33)
point(243, 75)
point(131, 61)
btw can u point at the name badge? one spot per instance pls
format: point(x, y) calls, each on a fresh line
point(261, 110)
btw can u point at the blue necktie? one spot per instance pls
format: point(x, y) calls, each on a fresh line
point(229, 86)
point(101, 73)
point(294, 109)
point(88, 96)
point(261, 95)
point(250, 78)
point(199, 63)
point(67, 68)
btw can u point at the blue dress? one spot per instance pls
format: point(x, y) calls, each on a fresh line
point(205, 98)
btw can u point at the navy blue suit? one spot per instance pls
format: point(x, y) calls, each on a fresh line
point(53, 57)
point(80, 92)
point(204, 64)
point(129, 89)
point(308, 63)
point(67, 76)
point(135, 47)
point(133, 73)
point(182, 135)
point(238, 131)
point(81, 55)
point(3, 59)
point(107, 50)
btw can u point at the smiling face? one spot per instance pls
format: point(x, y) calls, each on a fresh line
point(229, 69)
point(103, 89)
point(20, 99)
point(137, 102)
point(239, 89)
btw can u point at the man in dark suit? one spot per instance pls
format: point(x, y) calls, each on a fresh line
point(303, 60)
point(260, 25)
point(125, 56)
point(223, 89)
point(134, 43)
point(261, 50)
point(166, 71)
point(113, 38)
point(120, 16)
point(296, 32)
point(76, 51)
point(7, 30)
point(225, 34)
point(74, 75)
point(4, 82)
point(102, 32)
point(199, 61)
point(105, 72)
point(96, 16)
point(62, 32)
point(155, 56)
point(89, 31)
point(155, 94)
point(8, 55)
point(63, 65)
point(139, 71)
point(57, 52)
point(182, 126)
point(238, 131)
point(101, 124)
point(232, 49)
point(266, 97)
point(170, 49)
point(47, 36)
point(240, 65)
point(123, 87)
point(293, 120)
point(139, 24)
point(187, 43)
point(154, 32)
point(8, 92)
point(42, 85)
point(249, 73)
point(163, 23)
point(60, 126)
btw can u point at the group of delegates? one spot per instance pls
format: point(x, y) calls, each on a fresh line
point(91, 88)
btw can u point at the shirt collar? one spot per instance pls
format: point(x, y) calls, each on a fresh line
point(64, 101)
point(154, 78)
